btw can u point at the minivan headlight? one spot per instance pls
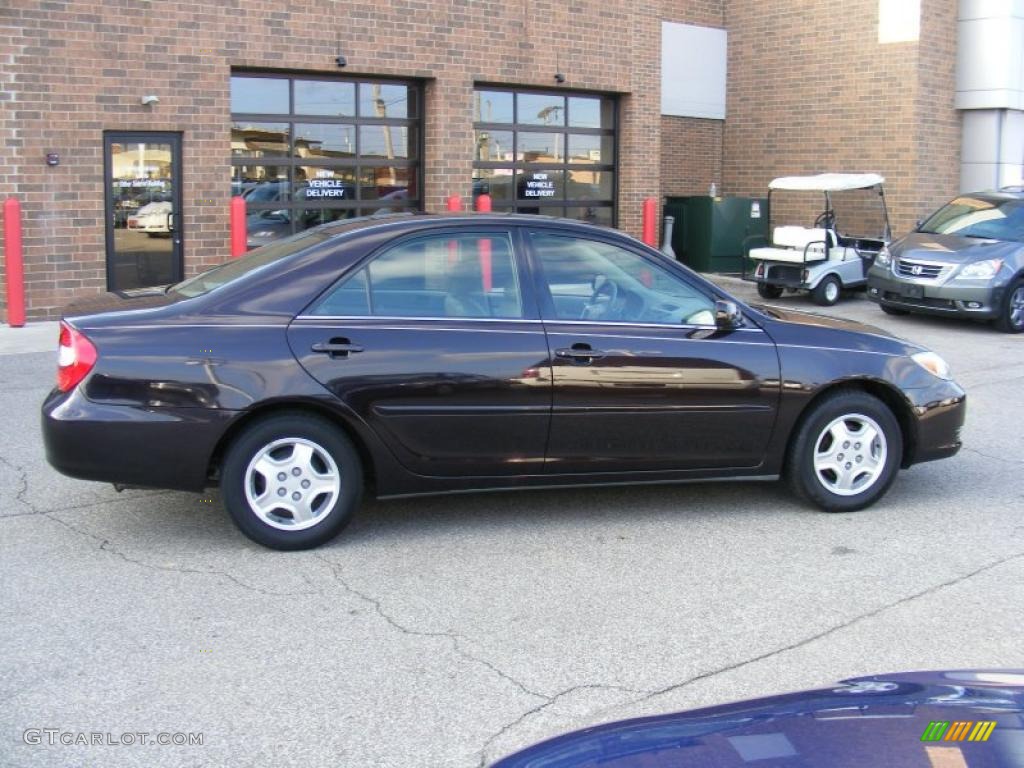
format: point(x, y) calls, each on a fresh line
point(884, 258)
point(932, 363)
point(981, 270)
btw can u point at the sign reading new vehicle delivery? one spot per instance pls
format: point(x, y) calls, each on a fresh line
point(537, 184)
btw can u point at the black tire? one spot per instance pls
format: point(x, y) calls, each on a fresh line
point(1011, 315)
point(333, 509)
point(804, 476)
point(766, 291)
point(889, 309)
point(827, 292)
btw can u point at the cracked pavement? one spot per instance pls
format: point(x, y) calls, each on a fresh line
point(447, 632)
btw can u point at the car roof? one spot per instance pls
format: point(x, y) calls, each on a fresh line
point(417, 220)
point(992, 195)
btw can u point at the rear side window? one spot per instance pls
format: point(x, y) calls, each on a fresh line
point(464, 275)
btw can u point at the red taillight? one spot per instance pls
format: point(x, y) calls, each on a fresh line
point(75, 357)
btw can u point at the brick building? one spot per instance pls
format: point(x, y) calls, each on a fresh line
point(562, 108)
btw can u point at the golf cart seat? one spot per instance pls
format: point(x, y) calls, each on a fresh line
point(790, 244)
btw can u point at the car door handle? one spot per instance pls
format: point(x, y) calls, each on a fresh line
point(581, 353)
point(336, 347)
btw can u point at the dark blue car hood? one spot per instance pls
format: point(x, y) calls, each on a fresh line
point(859, 723)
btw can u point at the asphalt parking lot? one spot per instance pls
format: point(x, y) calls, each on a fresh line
point(450, 631)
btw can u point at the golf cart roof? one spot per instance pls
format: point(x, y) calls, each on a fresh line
point(827, 182)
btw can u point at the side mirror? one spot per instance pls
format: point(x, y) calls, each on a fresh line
point(727, 315)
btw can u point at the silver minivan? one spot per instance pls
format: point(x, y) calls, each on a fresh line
point(966, 260)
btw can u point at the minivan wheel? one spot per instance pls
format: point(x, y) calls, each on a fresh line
point(827, 292)
point(846, 452)
point(1011, 318)
point(291, 481)
point(766, 291)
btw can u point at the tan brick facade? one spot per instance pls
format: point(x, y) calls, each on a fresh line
point(79, 68)
point(828, 97)
point(691, 155)
point(811, 90)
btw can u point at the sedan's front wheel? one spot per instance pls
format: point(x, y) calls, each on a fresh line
point(291, 481)
point(846, 453)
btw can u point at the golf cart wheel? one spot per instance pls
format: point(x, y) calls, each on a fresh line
point(827, 292)
point(1011, 316)
point(766, 291)
point(889, 309)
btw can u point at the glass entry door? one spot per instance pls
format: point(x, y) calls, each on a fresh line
point(143, 208)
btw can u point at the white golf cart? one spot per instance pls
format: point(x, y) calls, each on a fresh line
point(825, 258)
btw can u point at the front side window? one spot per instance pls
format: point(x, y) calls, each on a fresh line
point(457, 276)
point(596, 281)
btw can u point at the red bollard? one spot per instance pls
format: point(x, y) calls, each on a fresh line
point(239, 237)
point(14, 265)
point(483, 205)
point(454, 203)
point(650, 229)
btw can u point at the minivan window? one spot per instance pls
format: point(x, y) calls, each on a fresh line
point(969, 216)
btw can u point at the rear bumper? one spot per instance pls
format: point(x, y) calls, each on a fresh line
point(153, 447)
point(940, 411)
point(977, 301)
point(780, 275)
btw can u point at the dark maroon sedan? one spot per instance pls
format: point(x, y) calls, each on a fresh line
point(428, 354)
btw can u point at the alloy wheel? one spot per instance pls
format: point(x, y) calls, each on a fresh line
point(1016, 309)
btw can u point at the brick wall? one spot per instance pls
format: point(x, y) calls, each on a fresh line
point(74, 69)
point(691, 155)
point(938, 121)
point(811, 89)
point(691, 148)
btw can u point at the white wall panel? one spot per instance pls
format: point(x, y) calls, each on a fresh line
point(693, 70)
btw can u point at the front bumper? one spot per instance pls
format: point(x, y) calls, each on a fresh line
point(130, 445)
point(939, 412)
point(981, 301)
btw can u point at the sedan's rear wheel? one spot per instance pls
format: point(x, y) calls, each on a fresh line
point(846, 452)
point(291, 481)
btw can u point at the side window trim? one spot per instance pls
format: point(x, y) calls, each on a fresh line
point(529, 311)
point(545, 299)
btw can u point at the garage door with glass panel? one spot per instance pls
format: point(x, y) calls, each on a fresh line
point(307, 150)
point(551, 153)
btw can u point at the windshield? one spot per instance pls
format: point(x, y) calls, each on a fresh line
point(252, 261)
point(977, 217)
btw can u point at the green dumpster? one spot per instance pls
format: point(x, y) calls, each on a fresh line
point(709, 232)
